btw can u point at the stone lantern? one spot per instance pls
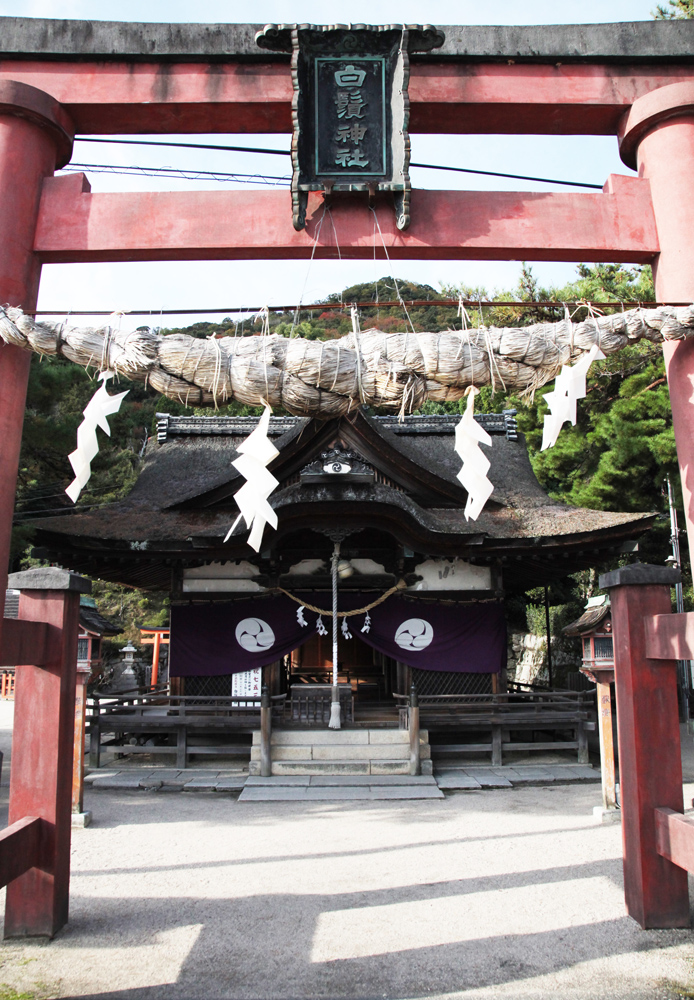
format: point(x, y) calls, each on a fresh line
point(594, 629)
point(128, 678)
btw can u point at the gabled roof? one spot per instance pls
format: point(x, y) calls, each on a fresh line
point(182, 505)
point(589, 620)
point(193, 464)
point(91, 619)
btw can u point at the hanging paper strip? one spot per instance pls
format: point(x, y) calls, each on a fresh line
point(256, 452)
point(569, 386)
point(100, 406)
point(473, 475)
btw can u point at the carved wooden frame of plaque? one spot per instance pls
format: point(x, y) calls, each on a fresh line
point(371, 69)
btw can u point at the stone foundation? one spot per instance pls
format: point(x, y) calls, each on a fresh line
point(341, 751)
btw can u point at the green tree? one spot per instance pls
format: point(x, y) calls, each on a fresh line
point(676, 10)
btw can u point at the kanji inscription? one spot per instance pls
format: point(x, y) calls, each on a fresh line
point(350, 118)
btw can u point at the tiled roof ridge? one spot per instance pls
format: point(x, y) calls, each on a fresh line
point(435, 423)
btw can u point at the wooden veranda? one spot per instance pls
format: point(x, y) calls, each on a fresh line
point(487, 726)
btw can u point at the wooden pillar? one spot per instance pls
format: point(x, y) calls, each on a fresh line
point(35, 139)
point(603, 679)
point(265, 734)
point(650, 765)
point(657, 138)
point(95, 737)
point(42, 745)
point(415, 763)
point(79, 817)
point(155, 660)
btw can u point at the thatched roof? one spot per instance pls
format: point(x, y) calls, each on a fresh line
point(182, 504)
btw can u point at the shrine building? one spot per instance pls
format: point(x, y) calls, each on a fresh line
point(389, 489)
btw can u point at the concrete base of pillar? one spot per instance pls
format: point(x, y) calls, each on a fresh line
point(607, 816)
point(81, 819)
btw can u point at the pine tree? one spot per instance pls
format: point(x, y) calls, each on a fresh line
point(676, 10)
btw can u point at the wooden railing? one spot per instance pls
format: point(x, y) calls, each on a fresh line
point(159, 714)
point(310, 704)
point(535, 711)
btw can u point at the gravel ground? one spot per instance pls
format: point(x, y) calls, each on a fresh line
point(510, 893)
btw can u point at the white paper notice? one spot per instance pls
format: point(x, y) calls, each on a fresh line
point(247, 684)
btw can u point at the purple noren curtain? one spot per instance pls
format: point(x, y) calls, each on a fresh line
point(224, 638)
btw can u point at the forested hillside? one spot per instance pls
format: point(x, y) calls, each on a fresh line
point(616, 458)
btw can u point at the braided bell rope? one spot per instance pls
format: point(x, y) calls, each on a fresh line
point(400, 585)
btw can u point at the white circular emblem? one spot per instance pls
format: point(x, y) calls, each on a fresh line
point(337, 468)
point(254, 635)
point(415, 633)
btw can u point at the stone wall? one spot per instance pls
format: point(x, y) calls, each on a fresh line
point(527, 658)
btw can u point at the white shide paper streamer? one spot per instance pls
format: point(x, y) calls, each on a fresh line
point(100, 406)
point(255, 453)
point(569, 386)
point(473, 475)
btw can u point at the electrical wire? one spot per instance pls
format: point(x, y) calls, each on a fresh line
point(40, 497)
point(180, 172)
point(21, 515)
point(188, 145)
point(284, 152)
point(338, 306)
point(515, 177)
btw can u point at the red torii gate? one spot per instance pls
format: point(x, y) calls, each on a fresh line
point(58, 78)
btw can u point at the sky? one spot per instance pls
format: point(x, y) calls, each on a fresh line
point(179, 285)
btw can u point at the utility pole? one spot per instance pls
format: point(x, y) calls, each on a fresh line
point(684, 667)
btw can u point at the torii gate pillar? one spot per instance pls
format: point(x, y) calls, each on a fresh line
point(657, 137)
point(35, 138)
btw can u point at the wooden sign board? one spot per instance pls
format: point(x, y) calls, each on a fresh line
point(350, 108)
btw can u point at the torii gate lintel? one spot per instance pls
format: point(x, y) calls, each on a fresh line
point(75, 225)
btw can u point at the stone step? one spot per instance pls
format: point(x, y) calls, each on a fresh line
point(473, 777)
point(308, 767)
point(136, 779)
point(320, 751)
point(376, 792)
point(335, 780)
point(339, 737)
point(341, 752)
